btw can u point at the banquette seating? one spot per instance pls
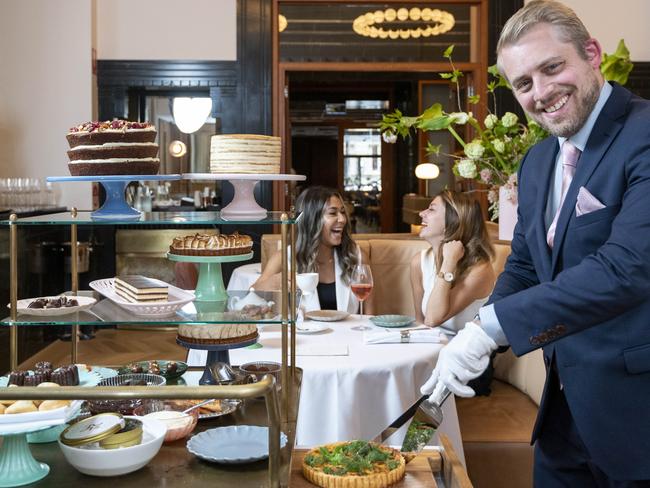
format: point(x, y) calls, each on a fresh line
point(495, 429)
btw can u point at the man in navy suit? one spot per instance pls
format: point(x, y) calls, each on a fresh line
point(577, 282)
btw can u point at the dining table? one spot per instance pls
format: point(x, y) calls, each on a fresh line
point(350, 389)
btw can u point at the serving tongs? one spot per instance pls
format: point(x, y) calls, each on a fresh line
point(427, 413)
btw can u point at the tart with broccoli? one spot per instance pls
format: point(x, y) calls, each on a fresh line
point(353, 464)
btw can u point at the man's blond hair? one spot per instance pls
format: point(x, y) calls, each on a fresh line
point(564, 19)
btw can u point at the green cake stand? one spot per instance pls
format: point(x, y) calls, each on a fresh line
point(210, 287)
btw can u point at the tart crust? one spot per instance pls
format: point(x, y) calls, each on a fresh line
point(372, 480)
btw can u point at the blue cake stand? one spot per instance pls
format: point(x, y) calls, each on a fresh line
point(115, 206)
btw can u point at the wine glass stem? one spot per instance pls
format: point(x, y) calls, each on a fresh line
point(361, 307)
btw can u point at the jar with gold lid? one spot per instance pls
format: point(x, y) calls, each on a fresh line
point(110, 430)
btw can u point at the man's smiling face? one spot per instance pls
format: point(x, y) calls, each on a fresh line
point(555, 85)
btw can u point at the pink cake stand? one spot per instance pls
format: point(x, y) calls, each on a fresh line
point(243, 205)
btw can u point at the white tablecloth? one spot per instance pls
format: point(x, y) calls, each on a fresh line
point(356, 395)
point(244, 276)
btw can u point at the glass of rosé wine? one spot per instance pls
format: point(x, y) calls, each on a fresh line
point(361, 285)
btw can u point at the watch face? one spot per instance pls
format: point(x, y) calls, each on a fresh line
point(449, 277)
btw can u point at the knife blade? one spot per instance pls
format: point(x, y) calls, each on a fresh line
point(432, 414)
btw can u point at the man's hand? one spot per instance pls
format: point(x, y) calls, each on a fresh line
point(465, 357)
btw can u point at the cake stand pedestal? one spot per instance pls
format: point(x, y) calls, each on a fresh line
point(17, 465)
point(217, 353)
point(243, 205)
point(210, 287)
point(115, 206)
point(211, 298)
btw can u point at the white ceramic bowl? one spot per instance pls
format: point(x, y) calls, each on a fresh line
point(114, 462)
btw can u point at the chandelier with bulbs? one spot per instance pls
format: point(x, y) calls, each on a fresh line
point(375, 24)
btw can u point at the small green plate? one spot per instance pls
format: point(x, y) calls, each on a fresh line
point(392, 320)
point(181, 367)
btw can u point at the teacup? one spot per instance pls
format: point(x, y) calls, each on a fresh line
point(307, 282)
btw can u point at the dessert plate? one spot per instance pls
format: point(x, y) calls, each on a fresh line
point(392, 320)
point(311, 327)
point(327, 315)
point(163, 366)
point(227, 406)
point(176, 299)
point(22, 306)
point(33, 421)
point(235, 444)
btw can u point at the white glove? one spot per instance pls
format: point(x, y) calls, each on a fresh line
point(465, 357)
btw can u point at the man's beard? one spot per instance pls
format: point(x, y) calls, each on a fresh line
point(571, 125)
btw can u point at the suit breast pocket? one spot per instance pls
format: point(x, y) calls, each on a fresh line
point(606, 214)
point(588, 232)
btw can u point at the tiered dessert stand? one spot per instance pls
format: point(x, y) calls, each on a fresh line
point(115, 206)
point(243, 205)
point(211, 301)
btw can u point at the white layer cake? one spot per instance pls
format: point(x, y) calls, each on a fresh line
point(245, 153)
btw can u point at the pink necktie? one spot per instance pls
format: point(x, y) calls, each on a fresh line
point(570, 156)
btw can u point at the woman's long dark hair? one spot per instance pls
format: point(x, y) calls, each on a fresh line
point(464, 222)
point(311, 204)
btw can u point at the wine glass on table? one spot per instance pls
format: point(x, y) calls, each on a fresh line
point(361, 285)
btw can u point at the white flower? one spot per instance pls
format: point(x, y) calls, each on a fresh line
point(459, 117)
point(499, 145)
point(474, 150)
point(490, 121)
point(512, 179)
point(509, 119)
point(389, 137)
point(467, 168)
point(493, 196)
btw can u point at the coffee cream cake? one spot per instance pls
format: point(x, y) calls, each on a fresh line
point(212, 245)
point(245, 153)
point(114, 147)
point(138, 288)
point(217, 333)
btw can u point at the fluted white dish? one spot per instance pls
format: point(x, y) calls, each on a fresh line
point(234, 444)
point(176, 299)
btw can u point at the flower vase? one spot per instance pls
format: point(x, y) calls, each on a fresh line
point(507, 213)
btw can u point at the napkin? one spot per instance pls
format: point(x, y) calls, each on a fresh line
point(587, 203)
point(322, 350)
point(384, 336)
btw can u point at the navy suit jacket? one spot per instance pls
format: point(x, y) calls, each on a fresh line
point(587, 301)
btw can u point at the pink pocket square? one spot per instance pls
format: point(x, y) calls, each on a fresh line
point(587, 203)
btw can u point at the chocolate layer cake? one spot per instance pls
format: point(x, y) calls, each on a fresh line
point(138, 288)
point(116, 147)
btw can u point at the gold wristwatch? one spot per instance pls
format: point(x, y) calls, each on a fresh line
point(448, 276)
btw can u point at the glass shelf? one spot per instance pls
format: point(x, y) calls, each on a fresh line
point(105, 312)
point(150, 218)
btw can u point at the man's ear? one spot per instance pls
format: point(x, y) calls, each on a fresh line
point(594, 53)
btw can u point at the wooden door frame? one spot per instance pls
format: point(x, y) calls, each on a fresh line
point(478, 68)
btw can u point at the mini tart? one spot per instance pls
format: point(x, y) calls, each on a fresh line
point(380, 477)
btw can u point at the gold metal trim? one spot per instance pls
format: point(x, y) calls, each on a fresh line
point(13, 291)
point(294, 307)
point(284, 228)
point(74, 280)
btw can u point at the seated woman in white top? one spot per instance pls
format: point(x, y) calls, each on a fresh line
point(323, 245)
point(454, 277)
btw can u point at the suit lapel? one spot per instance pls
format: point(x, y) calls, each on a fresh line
point(602, 135)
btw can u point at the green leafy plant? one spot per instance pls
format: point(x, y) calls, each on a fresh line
point(492, 157)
